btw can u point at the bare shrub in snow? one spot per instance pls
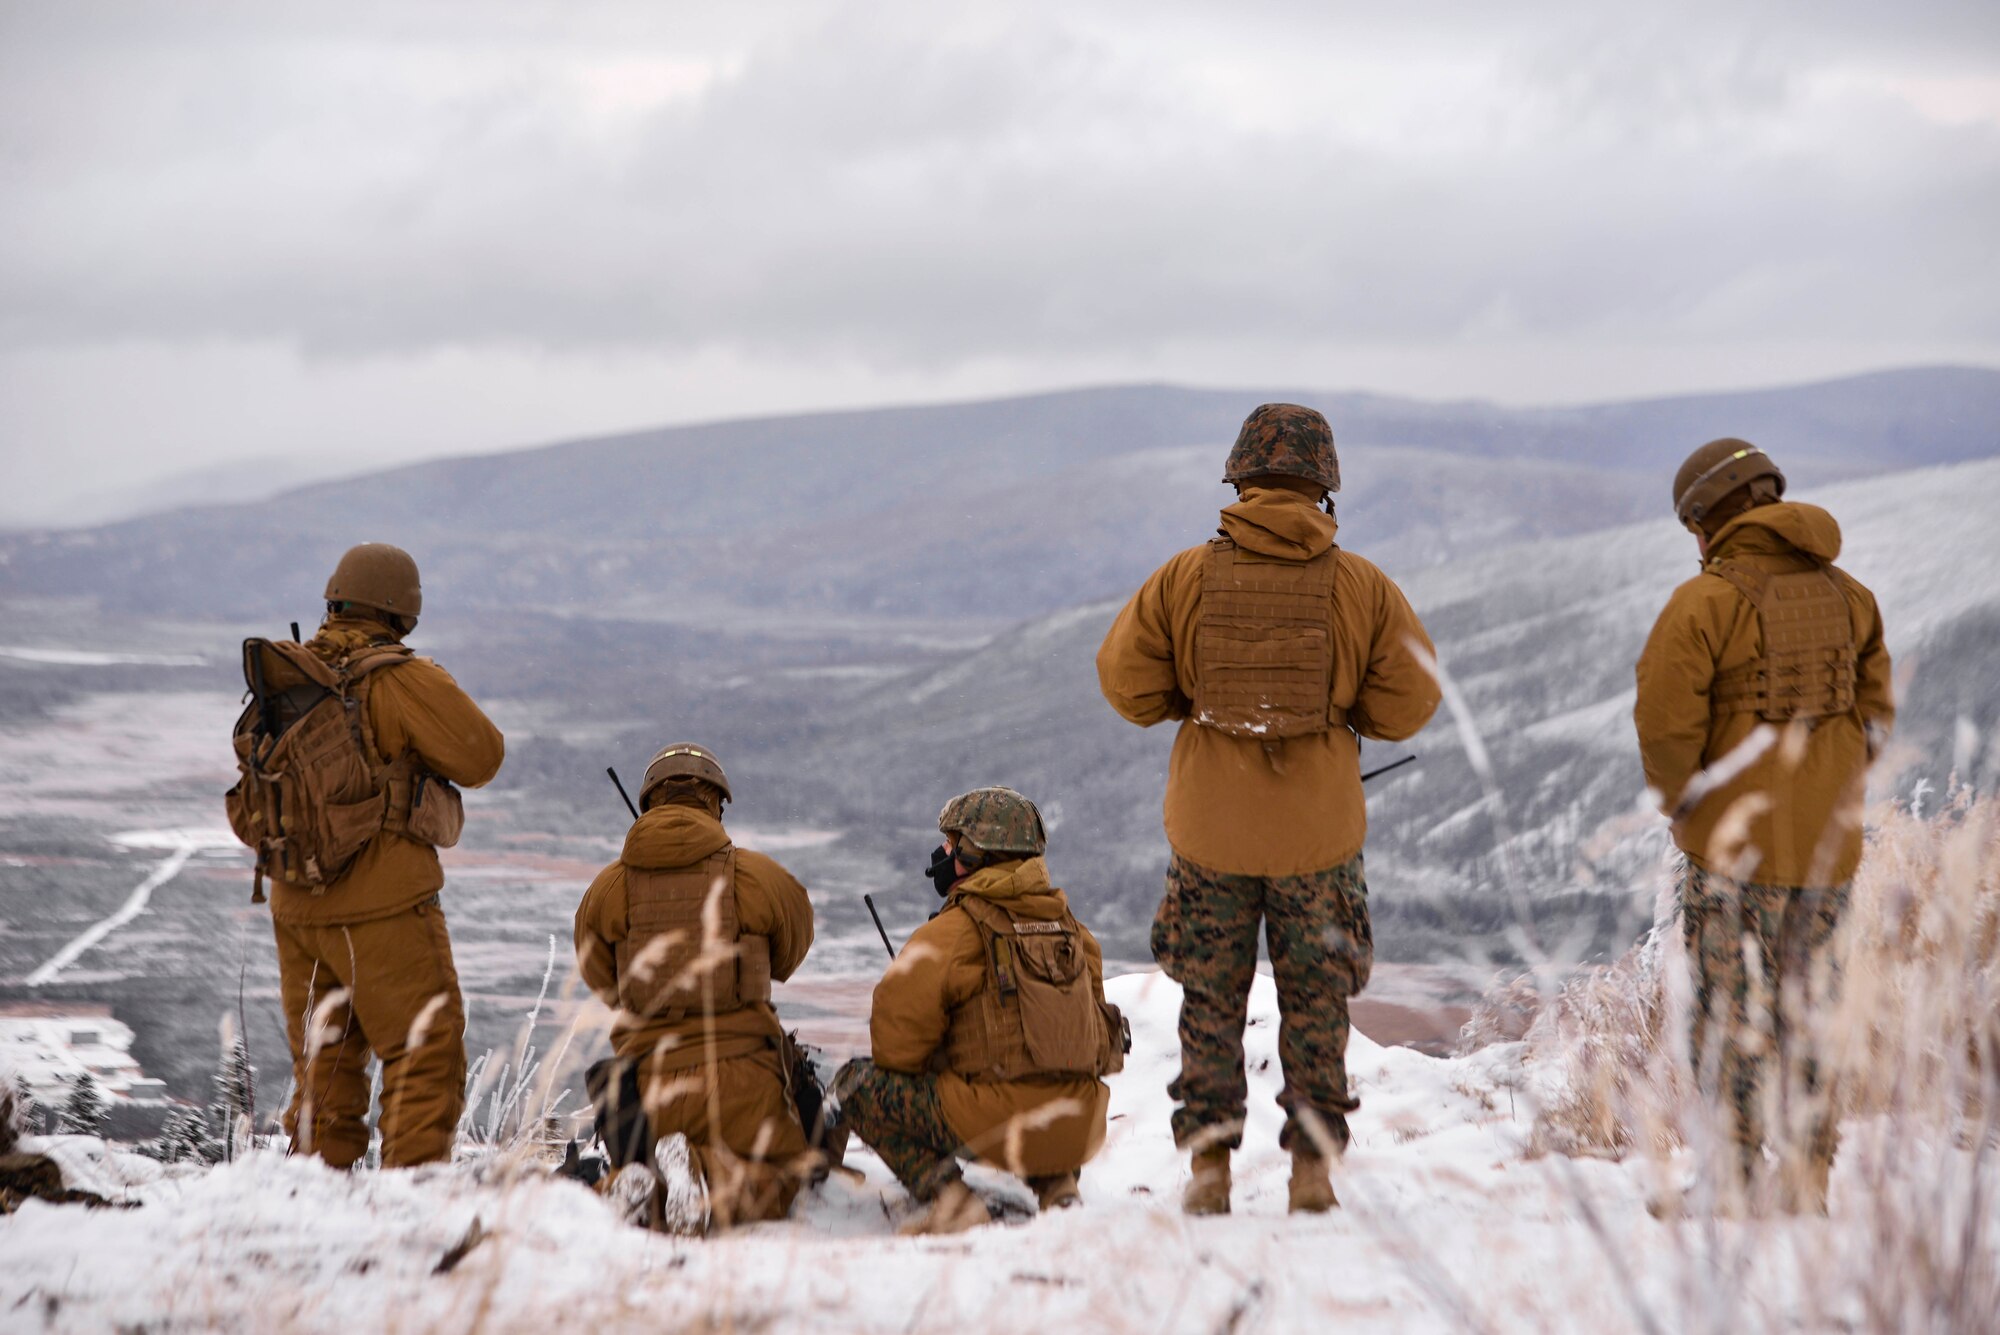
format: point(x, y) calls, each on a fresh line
point(13, 1114)
point(1915, 1031)
point(1913, 1041)
point(1620, 1081)
point(514, 1105)
point(1920, 1015)
point(1504, 1013)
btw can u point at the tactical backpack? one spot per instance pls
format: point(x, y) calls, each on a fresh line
point(313, 787)
point(1038, 1014)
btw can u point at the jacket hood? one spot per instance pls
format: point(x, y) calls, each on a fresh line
point(1022, 886)
point(1778, 526)
point(340, 636)
point(1272, 521)
point(672, 836)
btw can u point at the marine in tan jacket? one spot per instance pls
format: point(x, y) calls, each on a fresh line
point(989, 1034)
point(1276, 652)
point(365, 963)
point(1764, 692)
point(682, 937)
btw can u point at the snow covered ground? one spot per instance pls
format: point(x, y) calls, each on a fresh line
point(1448, 1225)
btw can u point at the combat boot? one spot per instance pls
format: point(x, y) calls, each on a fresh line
point(1208, 1189)
point(682, 1201)
point(1312, 1184)
point(1058, 1191)
point(955, 1209)
point(634, 1194)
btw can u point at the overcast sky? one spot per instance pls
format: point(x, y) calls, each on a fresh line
point(343, 233)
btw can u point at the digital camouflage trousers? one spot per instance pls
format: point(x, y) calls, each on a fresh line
point(1765, 972)
point(900, 1117)
point(1205, 939)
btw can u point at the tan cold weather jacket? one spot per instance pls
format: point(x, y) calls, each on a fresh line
point(1792, 816)
point(1229, 806)
point(412, 706)
point(769, 903)
point(1030, 1127)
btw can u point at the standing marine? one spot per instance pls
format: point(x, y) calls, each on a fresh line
point(348, 752)
point(989, 1035)
point(1276, 651)
point(682, 937)
point(1763, 695)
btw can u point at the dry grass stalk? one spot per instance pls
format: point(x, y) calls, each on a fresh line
point(1912, 1038)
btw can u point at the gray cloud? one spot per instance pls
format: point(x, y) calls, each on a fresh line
point(1038, 187)
point(877, 183)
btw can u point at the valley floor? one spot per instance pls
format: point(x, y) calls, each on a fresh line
point(1449, 1224)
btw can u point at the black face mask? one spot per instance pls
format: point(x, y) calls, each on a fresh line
point(942, 872)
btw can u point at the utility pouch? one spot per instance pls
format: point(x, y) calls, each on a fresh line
point(1056, 1017)
point(238, 810)
point(1117, 1032)
point(437, 812)
point(809, 1093)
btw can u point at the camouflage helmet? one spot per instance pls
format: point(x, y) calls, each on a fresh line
point(683, 760)
point(377, 575)
point(996, 820)
point(1714, 471)
point(1286, 439)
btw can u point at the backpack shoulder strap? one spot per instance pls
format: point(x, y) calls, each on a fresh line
point(351, 679)
point(989, 916)
point(370, 657)
point(995, 927)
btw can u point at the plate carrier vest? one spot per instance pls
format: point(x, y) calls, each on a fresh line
point(666, 968)
point(313, 788)
point(1038, 1015)
point(1808, 667)
point(1264, 645)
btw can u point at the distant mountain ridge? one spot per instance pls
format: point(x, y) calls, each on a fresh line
point(909, 510)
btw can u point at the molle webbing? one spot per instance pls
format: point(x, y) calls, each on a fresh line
point(1263, 645)
point(1808, 666)
point(1037, 1016)
point(682, 958)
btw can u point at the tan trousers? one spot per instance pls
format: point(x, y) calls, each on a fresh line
point(387, 987)
point(742, 1128)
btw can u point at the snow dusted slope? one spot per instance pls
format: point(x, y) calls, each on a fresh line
point(1447, 1225)
point(1541, 637)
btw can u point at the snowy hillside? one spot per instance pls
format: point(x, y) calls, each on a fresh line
point(1540, 638)
point(1447, 1225)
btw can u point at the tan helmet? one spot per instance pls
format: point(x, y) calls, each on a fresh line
point(996, 820)
point(1715, 470)
point(683, 760)
point(380, 576)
